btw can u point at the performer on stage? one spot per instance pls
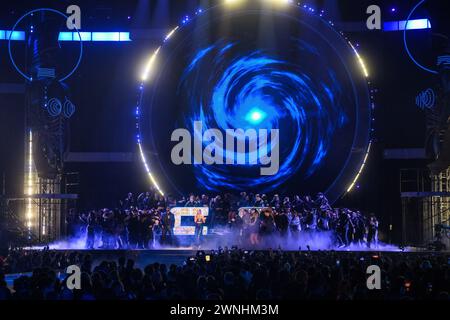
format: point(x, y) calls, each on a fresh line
point(128, 202)
point(138, 229)
point(322, 203)
point(295, 224)
point(259, 202)
point(192, 203)
point(267, 226)
point(108, 234)
point(200, 221)
point(147, 224)
point(372, 235)
point(344, 228)
point(216, 211)
point(168, 223)
point(144, 201)
point(282, 222)
point(254, 227)
point(90, 231)
point(234, 221)
point(133, 222)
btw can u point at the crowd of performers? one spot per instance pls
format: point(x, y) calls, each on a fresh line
point(143, 221)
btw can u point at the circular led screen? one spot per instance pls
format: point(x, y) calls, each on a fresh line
point(255, 99)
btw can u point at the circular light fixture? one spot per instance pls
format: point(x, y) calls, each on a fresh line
point(321, 102)
point(405, 41)
point(23, 74)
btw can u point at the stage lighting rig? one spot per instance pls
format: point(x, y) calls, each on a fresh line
point(48, 109)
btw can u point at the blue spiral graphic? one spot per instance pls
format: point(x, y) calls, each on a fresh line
point(258, 90)
point(294, 75)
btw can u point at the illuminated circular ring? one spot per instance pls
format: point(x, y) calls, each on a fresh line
point(147, 74)
point(20, 20)
point(406, 42)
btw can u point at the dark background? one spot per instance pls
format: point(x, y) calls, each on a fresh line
point(104, 91)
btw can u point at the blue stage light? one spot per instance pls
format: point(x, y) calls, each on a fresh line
point(256, 116)
point(124, 36)
point(65, 36)
point(16, 35)
point(391, 26)
point(418, 24)
point(85, 36)
point(73, 36)
point(105, 36)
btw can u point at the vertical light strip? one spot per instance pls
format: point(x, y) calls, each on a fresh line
point(149, 65)
point(417, 24)
point(147, 169)
point(30, 184)
point(350, 188)
point(361, 61)
point(366, 157)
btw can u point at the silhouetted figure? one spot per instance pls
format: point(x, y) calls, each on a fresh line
point(168, 224)
point(372, 234)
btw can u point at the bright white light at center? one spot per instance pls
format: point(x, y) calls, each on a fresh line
point(255, 116)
